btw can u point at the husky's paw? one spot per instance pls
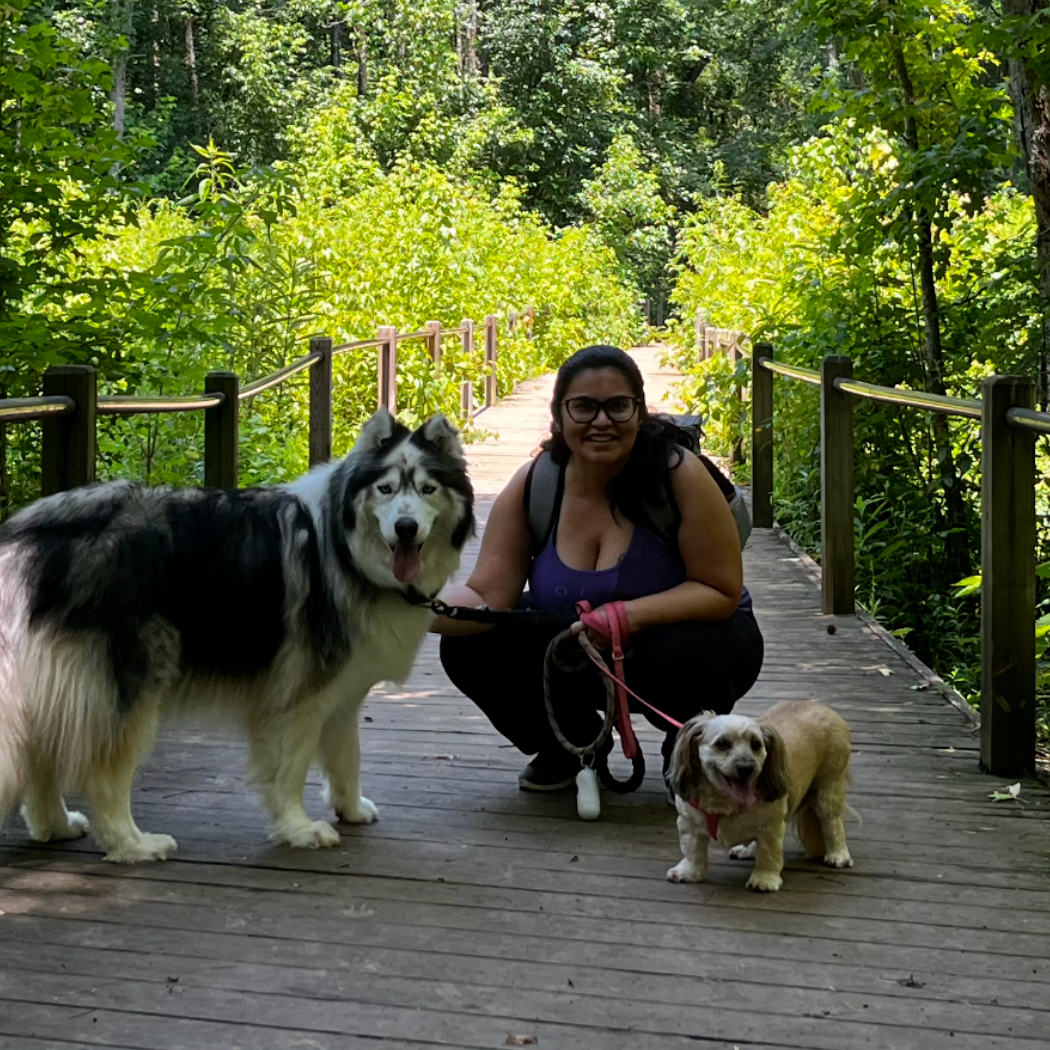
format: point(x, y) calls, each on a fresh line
point(316, 834)
point(764, 882)
point(746, 852)
point(685, 871)
point(75, 827)
point(838, 859)
point(144, 848)
point(363, 811)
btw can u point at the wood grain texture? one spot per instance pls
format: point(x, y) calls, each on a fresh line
point(472, 911)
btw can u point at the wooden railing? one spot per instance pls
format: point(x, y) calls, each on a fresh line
point(1009, 425)
point(70, 405)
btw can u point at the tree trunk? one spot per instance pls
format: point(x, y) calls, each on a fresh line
point(1031, 98)
point(954, 504)
point(191, 66)
point(123, 14)
point(362, 62)
point(336, 63)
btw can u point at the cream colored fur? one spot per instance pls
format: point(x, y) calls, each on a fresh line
point(756, 776)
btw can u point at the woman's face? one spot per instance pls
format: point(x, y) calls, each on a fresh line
point(605, 436)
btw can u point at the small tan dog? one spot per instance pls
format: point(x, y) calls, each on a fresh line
point(739, 780)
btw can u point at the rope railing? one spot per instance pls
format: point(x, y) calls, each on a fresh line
point(27, 409)
point(1009, 425)
point(141, 405)
point(70, 405)
point(278, 377)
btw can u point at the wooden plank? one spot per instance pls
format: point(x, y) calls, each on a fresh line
point(466, 911)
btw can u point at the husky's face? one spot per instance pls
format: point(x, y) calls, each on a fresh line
point(412, 503)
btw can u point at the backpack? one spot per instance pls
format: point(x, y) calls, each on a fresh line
point(546, 480)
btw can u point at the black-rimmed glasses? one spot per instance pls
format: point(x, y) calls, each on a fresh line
point(585, 409)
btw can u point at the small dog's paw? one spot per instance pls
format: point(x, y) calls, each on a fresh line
point(685, 871)
point(361, 812)
point(764, 882)
point(743, 852)
point(841, 859)
point(316, 834)
point(142, 849)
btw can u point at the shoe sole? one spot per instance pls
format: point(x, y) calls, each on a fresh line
point(558, 785)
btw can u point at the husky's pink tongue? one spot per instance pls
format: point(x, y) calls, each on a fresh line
point(741, 792)
point(404, 562)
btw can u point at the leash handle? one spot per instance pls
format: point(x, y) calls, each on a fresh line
point(611, 620)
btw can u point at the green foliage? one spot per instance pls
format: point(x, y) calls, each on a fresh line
point(817, 274)
point(240, 274)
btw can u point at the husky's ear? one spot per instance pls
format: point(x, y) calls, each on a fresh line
point(773, 782)
point(686, 772)
point(377, 431)
point(440, 433)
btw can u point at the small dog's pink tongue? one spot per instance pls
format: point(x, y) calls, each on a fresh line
point(741, 792)
point(405, 562)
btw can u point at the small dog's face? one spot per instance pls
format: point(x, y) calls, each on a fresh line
point(732, 753)
point(736, 756)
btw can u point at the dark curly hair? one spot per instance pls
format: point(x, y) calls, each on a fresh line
point(660, 443)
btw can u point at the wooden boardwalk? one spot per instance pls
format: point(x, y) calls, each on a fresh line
point(476, 916)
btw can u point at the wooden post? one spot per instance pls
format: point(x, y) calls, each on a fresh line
point(761, 438)
point(434, 342)
point(387, 370)
point(68, 451)
point(710, 342)
point(1008, 538)
point(321, 401)
point(221, 426)
point(699, 328)
point(466, 399)
point(512, 321)
point(467, 328)
point(736, 454)
point(491, 320)
point(836, 488)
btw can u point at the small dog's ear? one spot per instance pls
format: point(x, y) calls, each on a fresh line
point(686, 772)
point(773, 782)
point(439, 432)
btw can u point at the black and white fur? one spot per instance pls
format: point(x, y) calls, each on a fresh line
point(280, 606)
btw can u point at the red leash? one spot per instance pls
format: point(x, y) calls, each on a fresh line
point(610, 620)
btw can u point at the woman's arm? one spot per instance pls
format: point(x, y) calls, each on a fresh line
point(502, 568)
point(710, 546)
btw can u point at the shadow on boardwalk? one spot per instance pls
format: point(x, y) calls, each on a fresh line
point(472, 913)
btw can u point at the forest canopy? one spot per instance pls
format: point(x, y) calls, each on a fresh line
point(190, 185)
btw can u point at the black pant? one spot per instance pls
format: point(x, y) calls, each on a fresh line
point(681, 668)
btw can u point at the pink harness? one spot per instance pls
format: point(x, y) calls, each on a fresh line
point(710, 819)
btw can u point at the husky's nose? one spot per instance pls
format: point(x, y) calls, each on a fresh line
point(744, 769)
point(406, 529)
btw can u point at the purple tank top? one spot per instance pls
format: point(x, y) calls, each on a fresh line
point(649, 566)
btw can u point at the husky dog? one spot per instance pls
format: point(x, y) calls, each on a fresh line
point(281, 606)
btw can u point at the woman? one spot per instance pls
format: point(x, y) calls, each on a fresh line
point(694, 642)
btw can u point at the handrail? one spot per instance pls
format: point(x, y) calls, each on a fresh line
point(807, 375)
point(421, 334)
point(1029, 419)
point(360, 344)
point(139, 405)
point(949, 406)
point(26, 409)
point(453, 331)
point(278, 377)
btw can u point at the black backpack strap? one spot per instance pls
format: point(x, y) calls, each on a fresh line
point(544, 485)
